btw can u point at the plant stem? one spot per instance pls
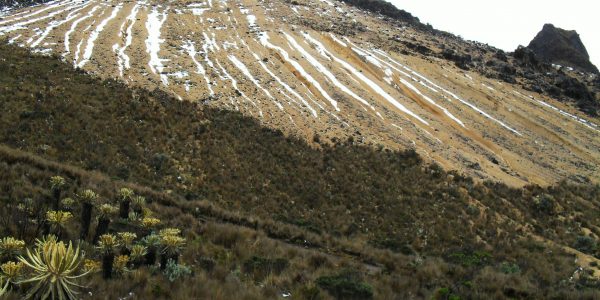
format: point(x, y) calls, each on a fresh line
point(86, 217)
point(124, 209)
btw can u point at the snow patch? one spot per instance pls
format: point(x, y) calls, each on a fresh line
point(123, 58)
point(376, 88)
point(89, 49)
point(264, 39)
point(72, 29)
point(72, 15)
point(153, 25)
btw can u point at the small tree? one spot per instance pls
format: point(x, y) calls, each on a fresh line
point(138, 253)
point(120, 264)
point(126, 240)
point(171, 244)
point(149, 223)
point(58, 220)
point(138, 203)
point(87, 199)
point(57, 184)
point(67, 204)
point(105, 211)
point(107, 245)
point(124, 196)
point(152, 243)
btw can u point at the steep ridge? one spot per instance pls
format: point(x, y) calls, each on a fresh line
point(275, 61)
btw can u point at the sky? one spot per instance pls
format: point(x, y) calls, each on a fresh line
point(509, 23)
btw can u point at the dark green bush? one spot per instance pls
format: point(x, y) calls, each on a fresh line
point(509, 268)
point(261, 267)
point(586, 244)
point(470, 258)
point(346, 285)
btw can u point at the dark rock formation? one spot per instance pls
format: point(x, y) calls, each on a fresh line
point(563, 47)
point(9, 4)
point(462, 61)
point(527, 58)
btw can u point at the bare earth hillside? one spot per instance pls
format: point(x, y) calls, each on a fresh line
point(323, 71)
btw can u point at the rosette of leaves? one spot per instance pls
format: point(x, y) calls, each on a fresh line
point(171, 244)
point(120, 264)
point(87, 198)
point(10, 273)
point(107, 244)
point(169, 232)
point(138, 254)
point(152, 242)
point(50, 238)
point(124, 195)
point(105, 212)
point(146, 212)
point(57, 184)
point(10, 247)
point(58, 220)
point(55, 267)
point(67, 203)
point(126, 239)
point(150, 222)
point(138, 203)
point(91, 266)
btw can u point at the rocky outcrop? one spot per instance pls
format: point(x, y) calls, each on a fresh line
point(562, 47)
point(12, 4)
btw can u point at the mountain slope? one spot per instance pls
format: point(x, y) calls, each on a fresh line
point(412, 229)
point(276, 62)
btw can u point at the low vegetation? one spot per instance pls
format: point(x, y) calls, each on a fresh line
point(178, 200)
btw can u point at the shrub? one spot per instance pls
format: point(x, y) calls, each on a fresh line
point(445, 293)
point(346, 285)
point(545, 204)
point(509, 268)
point(470, 259)
point(174, 271)
point(393, 244)
point(261, 267)
point(585, 244)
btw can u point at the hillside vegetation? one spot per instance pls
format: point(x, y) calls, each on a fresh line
point(266, 214)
